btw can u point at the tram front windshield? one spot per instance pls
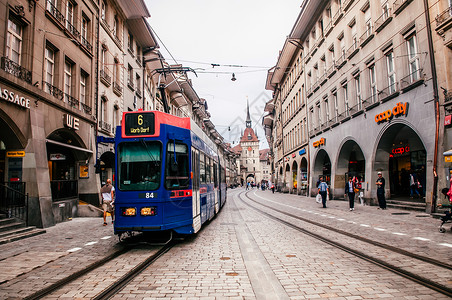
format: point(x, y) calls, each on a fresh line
point(139, 166)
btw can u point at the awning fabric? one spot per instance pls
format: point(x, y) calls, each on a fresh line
point(69, 146)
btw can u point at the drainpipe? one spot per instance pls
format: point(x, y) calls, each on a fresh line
point(436, 101)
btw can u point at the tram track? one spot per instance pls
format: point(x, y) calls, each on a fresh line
point(117, 285)
point(443, 289)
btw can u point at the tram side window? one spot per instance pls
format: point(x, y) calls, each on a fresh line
point(202, 170)
point(177, 162)
point(215, 174)
point(207, 170)
point(139, 166)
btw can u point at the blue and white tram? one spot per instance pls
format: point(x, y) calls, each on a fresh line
point(169, 175)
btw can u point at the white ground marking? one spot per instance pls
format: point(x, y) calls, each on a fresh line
point(420, 238)
point(379, 229)
point(74, 249)
point(90, 243)
point(398, 233)
point(105, 237)
point(445, 244)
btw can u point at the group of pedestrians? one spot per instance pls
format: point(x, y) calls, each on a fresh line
point(353, 187)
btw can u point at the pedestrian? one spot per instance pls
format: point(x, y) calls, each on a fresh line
point(413, 185)
point(319, 181)
point(381, 191)
point(350, 192)
point(323, 191)
point(449, 193)
point(107, 192)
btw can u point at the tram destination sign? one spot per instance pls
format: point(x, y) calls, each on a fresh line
point(139, 124)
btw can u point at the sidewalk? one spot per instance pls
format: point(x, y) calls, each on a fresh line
point(411, 230)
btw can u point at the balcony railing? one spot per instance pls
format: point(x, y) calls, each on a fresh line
point(399, 5)
point(353, 49)
point(412, 80)
point(367, 36)
point(53, 90)
point(331, 70)
point(71, 100)
point(338, 15)
point(15, 69)
point(86, 44)
point(383, 20)
point(105, 78)
point(86, 108)
point(328, 28)
point(54, 11)
point(371, 100)
point(72, 30)
point(443, 17)
point(105, 126)
point(117, 88)
point(341, 61)
point(389, 92)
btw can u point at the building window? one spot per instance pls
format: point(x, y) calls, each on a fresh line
point(83, 89)
point(14, 40)
point(327, 109)
point(84, 29)
point(103, 12)
point(336, 105)
point(391, 72)
point(130, 77)
point(130, 43)
point(115, 26)
point(319, 114)
point(413, 59)
point(103, 58)
point(373, 83)
point(358, 92)
point(49, 68)
point(69, 15)
point(346, 104)
point(67, 78)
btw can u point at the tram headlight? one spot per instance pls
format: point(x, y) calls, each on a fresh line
point(148, 211)
point(129, 211)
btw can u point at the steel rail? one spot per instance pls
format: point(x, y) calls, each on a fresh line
point(406, 274)
point(64, 281)
point(118, 285)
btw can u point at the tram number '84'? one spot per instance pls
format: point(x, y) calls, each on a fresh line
point(147, 195)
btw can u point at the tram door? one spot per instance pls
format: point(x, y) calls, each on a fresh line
point(195, 176)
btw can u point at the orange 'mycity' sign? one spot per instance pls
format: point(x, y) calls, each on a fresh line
point(398, 110)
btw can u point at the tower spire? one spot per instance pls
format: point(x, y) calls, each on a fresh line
point(248, 118)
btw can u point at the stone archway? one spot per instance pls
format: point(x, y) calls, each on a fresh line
point(350, 162)
point(322, 167)
point(399, 153)
point(294, 177)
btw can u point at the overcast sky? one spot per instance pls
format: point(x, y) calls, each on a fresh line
point(243, 36)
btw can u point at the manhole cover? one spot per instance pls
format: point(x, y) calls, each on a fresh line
point(232, 274)
point(401, 213)
point(225, 258)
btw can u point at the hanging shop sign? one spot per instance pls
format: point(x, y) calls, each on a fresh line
point(319, 143)
point(14, 98)
point(448, 158)
point(84, 173)
point(302, 151)
point(57, 156)
point(447, 120)
point(400, 150)
point(71, 122)
point(15, 153)
point(293, 155)
point(399, 110)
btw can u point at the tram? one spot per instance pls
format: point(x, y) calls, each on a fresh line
point(170, 175)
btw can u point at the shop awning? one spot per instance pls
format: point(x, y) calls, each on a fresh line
point(448, 152)
point(69, 146)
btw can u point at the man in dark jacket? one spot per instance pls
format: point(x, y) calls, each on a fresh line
point(350, 192)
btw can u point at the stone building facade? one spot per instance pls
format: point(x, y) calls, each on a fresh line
point(364, 71)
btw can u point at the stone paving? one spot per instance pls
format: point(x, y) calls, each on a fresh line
point(240, 255)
